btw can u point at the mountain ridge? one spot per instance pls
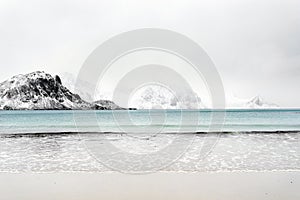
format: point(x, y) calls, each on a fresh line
point(41, 91)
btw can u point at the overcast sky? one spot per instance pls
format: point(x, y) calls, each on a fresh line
point(254, 44)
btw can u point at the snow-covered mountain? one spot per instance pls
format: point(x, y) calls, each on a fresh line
point(39, 90)
point(256, 102)
point(158, 97)
point(259, 102)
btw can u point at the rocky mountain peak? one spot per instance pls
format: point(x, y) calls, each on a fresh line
point(38, 90)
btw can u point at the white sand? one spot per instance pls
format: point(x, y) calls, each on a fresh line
point(85, 186)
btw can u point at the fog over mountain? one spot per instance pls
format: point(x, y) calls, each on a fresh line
point(83, 88)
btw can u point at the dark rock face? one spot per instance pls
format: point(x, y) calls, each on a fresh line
point(97, 107)
point(7, 108)
point(57, 79)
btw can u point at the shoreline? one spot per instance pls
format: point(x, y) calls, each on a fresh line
point(32, 134)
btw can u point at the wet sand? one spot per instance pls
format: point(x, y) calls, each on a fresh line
point(86, 186)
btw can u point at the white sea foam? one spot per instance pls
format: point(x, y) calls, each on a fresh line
point(232, 152)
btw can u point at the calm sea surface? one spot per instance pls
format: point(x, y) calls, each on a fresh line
point(149, 121)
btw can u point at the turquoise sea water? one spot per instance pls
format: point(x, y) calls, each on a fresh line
point(250, 141)
point(149, 120)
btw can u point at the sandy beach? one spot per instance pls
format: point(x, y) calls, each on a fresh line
point(89, 186)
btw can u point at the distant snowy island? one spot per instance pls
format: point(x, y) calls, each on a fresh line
point(256, 102)
point(42, 91)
